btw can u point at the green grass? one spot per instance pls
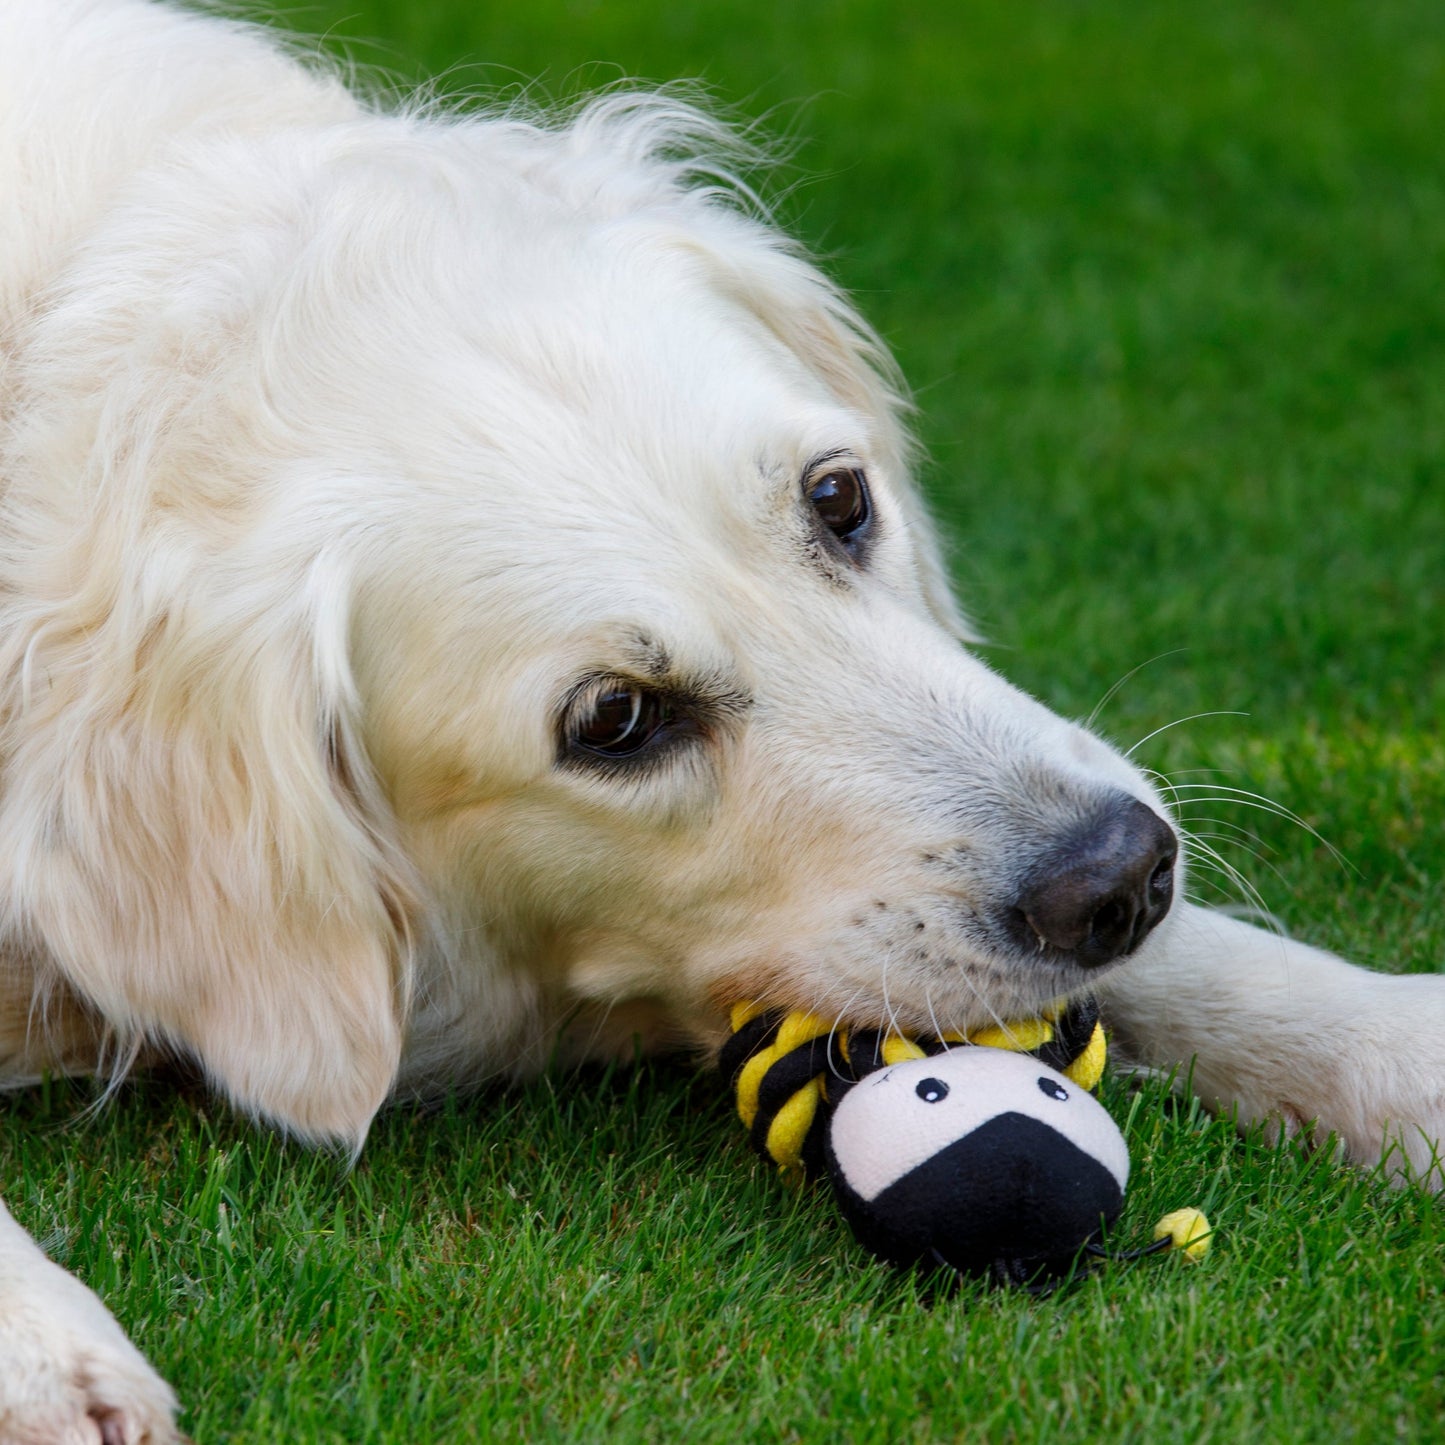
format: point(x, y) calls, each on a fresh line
point(1168, 280)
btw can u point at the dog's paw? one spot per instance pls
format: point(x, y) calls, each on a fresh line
point(68, 1374)
point(1283, 1035)
point(1368, 1070)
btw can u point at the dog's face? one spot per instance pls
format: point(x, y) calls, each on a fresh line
point(527, 607)
point(655, 680)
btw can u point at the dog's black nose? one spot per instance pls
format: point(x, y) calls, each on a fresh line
point(1096, 896)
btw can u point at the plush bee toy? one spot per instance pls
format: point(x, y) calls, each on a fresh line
point(984, 1155)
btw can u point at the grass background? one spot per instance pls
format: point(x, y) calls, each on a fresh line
point(1168, 281)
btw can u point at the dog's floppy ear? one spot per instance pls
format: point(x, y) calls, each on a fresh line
point(197, 845)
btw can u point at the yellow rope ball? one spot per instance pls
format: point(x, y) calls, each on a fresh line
point(1187, 1231)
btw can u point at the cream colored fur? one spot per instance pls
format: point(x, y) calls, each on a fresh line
point(340, 447)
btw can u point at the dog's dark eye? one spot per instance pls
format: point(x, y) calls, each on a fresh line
point(621, 721)
point(931, 1090)
point(1053, 1090)
point(840, 498)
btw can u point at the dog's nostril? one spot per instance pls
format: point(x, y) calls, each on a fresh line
point(1161, 880)
point(1109, 919)
point(1097, 896)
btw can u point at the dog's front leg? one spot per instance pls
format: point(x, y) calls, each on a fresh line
point(1291, 1037)
point(68, 1375)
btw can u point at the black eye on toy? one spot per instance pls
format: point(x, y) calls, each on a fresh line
point(931, 1090)
point(1054, 1089)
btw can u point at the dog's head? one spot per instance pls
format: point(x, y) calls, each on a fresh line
point(484, 582)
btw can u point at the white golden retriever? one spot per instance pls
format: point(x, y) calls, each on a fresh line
point(461, 588)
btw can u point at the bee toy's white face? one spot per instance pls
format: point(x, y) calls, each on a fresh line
point(976, 1157)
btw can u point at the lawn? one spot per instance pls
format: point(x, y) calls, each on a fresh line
point(1169, 282)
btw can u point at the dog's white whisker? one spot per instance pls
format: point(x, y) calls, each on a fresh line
point(1238, 830)
point(994, 1016)
point(883, 989)
point(837, 1022)
point(1133, 672)
point(1212, 859)
point(1179, 722)
point(932, 1016)
point(1202, 795)
point(1230, 840)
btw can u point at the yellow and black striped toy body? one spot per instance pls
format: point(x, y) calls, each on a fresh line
point(789, 1069)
